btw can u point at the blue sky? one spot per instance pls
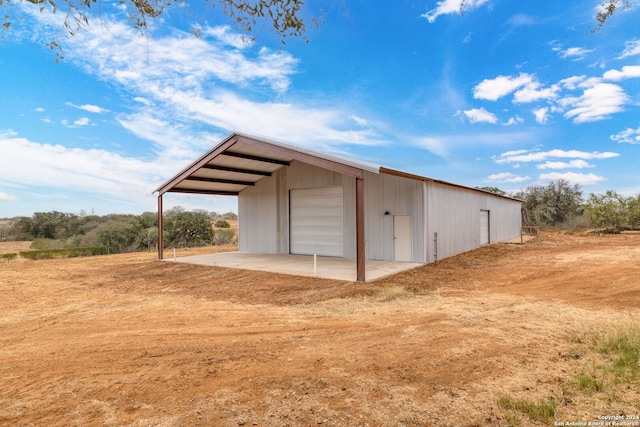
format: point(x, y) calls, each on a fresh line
point(508, 94)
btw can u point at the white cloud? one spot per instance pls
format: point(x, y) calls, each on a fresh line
point(84, 121)
point(532, 92)
point(597, 102)
point(75, 169)
point(573, 164)
point(494, 89)
point(513, 121)
point(186, 80)
point(479, 115)
point(6, 197)
point(446, 7)
point(179, 60)
point(573, 82)
point(631, 48)
point(573, 177)
point(145, 125)
point(39, 110)
point(629, 136)
point(575, 53)
point(541, 114)
point(539, 156)
point(521, 20)
point(359, 120)
point(506, 177)
point(436, 145)
point(88, 107)
point(225, 35)
point(627, 72)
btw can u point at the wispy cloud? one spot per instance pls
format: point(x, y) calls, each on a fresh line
point(83, 121)
point(479, 115)
point(631, 48)
point(522, 156)
point(506, 177)
point(88, 107)
point(447, 7)
point(574, 53)
point(55, 166)
point(6, 197)
point(629, 136)
point(573, 177)
point(573, 164)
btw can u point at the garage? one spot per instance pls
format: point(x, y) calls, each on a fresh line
point(316, 221)
point(297, 202)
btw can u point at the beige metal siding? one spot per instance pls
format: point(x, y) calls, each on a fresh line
point(453, 213)
point(258, 218)
point(397, 196)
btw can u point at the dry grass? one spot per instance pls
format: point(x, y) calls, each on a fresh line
point(496, 337)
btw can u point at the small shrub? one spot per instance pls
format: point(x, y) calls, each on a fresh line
point(42, 243)
point(223, 237)
point(221, 223)
point(8, 257)
point(64, 253)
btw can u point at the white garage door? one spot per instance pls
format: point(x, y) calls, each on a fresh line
point(484, 227)
point(316, 221)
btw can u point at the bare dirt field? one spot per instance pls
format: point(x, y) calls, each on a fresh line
point(124, 340)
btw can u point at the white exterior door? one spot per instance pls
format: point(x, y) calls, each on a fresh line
point(316, 221)
point(484, 227)
point(402, 238)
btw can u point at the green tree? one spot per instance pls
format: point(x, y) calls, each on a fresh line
point(188, 229)
point(607, 211)
point(230, 216)
point(553, 203)
point(634, 211)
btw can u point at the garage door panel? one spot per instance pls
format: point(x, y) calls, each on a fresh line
point(316, 222)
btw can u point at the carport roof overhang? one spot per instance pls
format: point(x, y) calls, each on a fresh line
point(240, 161)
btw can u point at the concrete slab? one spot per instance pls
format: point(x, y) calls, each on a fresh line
point(299, 265)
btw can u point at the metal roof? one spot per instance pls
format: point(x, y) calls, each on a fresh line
point(241, 160)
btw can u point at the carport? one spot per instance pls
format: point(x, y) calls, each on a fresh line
point(240, 162)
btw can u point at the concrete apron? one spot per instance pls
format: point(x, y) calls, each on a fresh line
point(299, 265)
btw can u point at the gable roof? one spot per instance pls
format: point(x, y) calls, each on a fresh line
point(241, 160)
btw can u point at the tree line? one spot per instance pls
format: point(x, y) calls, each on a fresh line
point(120, 233)
point(561, 204)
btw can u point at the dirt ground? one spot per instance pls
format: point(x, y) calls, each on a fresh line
point(125, 340)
